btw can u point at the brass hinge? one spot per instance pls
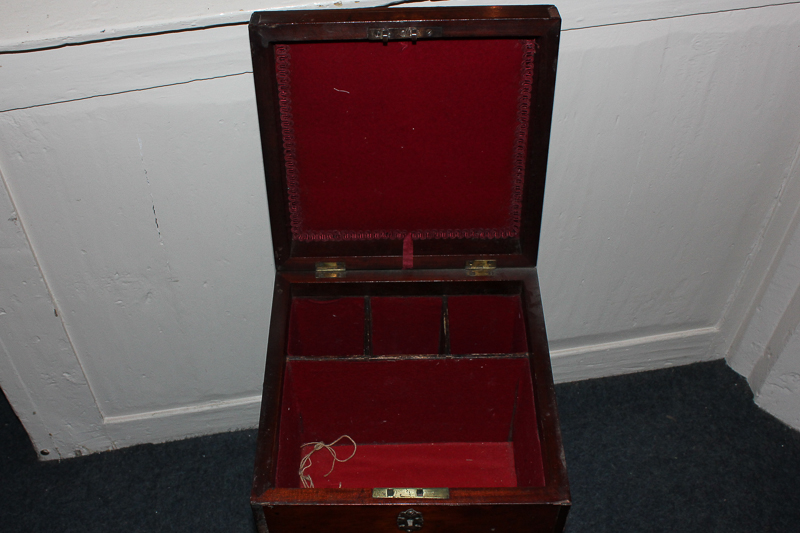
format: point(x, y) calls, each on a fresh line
point(481, 267)
point(434, 494)
point(330, 270)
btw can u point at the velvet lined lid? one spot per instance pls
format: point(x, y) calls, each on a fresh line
point(405, 154)
point(427, 139)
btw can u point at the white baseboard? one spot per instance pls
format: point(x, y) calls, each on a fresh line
point(183, 422)
point(633, 355)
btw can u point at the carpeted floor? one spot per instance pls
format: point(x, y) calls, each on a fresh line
point(682, 450)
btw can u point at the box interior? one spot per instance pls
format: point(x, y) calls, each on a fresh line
point(424, 140)
point(435, 390)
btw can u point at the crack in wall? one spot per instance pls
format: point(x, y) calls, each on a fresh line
point(126, 91)
point(680, 16)
point(152, 199)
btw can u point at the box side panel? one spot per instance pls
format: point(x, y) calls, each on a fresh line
point(555, 467)
point(269, 422)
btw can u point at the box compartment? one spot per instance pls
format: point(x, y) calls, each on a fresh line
point(380, 370)
point(465, 401)
point(417, 423)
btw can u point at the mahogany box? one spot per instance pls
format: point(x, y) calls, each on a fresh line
point(408, 383)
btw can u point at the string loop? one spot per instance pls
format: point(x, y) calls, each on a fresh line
point(308, 483)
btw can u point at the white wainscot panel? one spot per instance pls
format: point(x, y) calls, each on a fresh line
point(39, 373)
point(104, 68)
point(671, 141)
point(147, 211)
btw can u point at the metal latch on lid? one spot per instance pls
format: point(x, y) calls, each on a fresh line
point(403, 493)
point(394, 34)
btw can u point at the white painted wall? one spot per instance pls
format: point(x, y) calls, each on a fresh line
point(674, 139)
point(671, 141)
point(146, 209)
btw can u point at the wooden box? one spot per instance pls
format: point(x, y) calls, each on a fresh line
point(405, 153)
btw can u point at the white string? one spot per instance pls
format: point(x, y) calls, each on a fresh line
point(306, 462)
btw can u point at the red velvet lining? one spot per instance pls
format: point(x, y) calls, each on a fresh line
point(381, 402)
point(486, 324)
point(427, 139)
point(326, 327)
point(451, 464)
point(459, 405)
point(408, 252)
point(406, 325)
point(478, 324)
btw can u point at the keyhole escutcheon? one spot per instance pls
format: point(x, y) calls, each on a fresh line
point(410, 520)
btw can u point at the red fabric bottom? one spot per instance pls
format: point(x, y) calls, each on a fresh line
point(450, 464)
point(420, 418)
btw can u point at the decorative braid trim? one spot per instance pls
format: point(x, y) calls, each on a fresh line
point(334, 235)
point(283, 68)
point(521, 134)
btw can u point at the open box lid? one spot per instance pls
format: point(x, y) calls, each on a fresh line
point(405, 138)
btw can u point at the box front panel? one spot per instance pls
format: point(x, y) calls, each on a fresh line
point(413, 517)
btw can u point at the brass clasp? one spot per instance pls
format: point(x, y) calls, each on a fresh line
point(330, 270)
point(435, 494)
point(481, 267)
point(394, 34)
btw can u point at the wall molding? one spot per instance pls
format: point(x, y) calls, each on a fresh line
point(183, 422)
point(45, 25)
point(636, 354)
point(115, 67)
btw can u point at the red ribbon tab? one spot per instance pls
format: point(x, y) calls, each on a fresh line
point(408, 252)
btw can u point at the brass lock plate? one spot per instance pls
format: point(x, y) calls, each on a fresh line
point(410, 33)
point(400, 493)
point(481, 267)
